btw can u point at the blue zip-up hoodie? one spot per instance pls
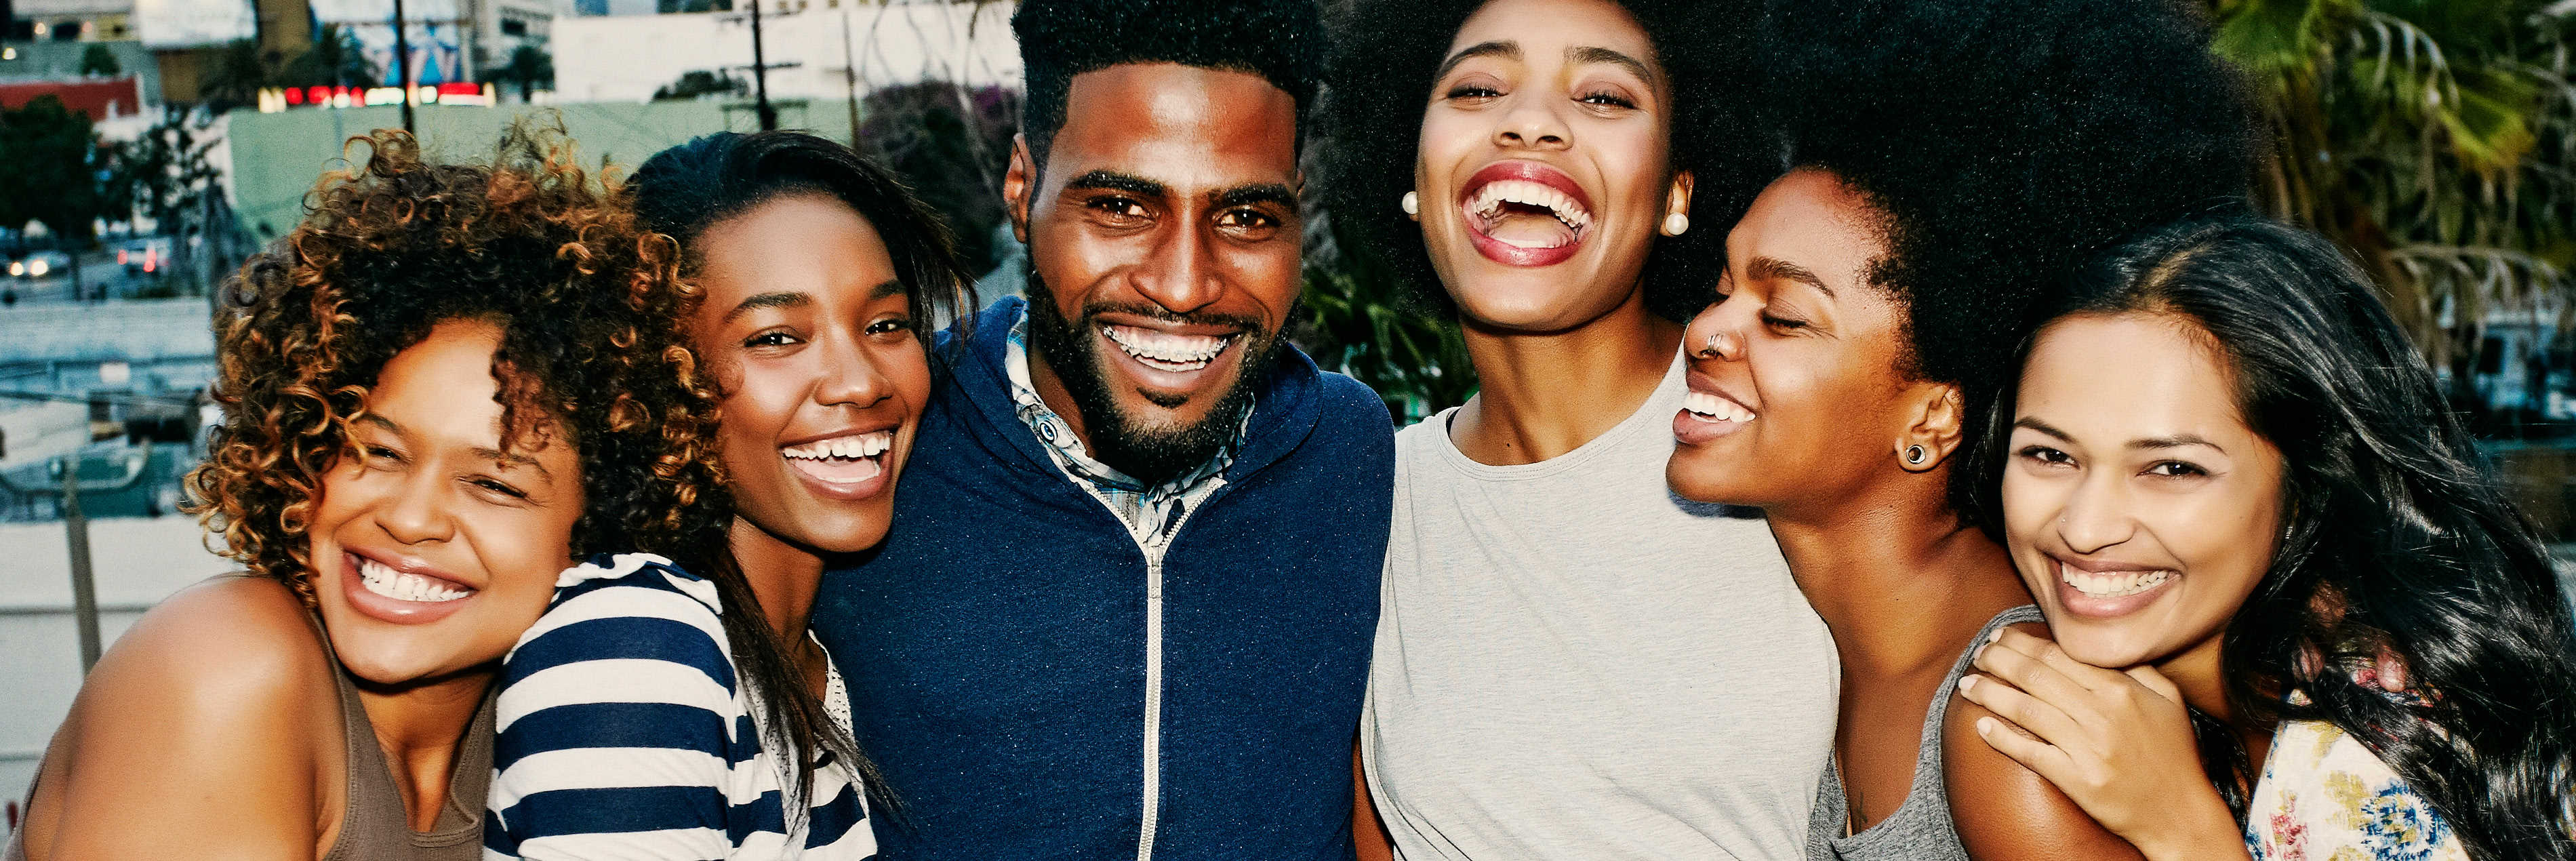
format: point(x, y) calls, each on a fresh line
point(997, 647)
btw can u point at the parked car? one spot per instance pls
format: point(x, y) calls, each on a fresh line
point(40, 264)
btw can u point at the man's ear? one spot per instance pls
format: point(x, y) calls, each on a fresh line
point(1018, 185)
point(1940, 414)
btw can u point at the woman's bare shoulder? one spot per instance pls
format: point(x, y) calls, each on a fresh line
point(239, 633)
point(219, 712)
point(2003, 810)
point(229, 654)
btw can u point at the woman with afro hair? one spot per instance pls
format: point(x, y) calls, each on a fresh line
point(441, 388)
point(1950, 161)
point(1558, 175)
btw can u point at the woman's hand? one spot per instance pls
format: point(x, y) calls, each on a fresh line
point(2118, 743)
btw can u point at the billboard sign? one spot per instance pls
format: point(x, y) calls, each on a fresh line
point(193, 23)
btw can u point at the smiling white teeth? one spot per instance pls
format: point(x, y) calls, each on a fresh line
point(382, 579)
point(851, 447)
point(1489, 201)
point(1165, 350)
point(1715, 408)
point(2118, 584)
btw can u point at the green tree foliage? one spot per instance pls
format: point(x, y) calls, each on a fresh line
point(98, 60)
point(700, 82)
point(335, 60)
point(233, 76)
point(530, 69)
point(1355, 322)
point(49, 170)
point(951, 145)
point(2435, 140)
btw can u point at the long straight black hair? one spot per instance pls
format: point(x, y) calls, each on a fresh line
point(682, 191)
point(2398, 544)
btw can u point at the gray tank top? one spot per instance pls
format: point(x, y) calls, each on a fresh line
point(1920, 829)
point(373, 823)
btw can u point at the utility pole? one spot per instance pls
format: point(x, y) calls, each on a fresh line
point(84, 589)
point(402, 66)
point(759, 75)
point(849, 75)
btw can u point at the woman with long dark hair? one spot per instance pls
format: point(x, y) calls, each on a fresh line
point(678, 702)
point(2291, 615)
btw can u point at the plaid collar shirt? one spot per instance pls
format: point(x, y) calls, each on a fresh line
point(1151, 514)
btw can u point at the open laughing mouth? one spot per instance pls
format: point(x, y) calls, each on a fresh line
point(1707, 414)
point(1166, 351)
point(1526, 214)
point(842, 460)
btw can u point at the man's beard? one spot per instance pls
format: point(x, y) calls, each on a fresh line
point(1148, 453)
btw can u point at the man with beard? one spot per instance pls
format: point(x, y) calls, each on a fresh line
point(1128, 599)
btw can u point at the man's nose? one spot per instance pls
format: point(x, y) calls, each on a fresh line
point(1181, 276)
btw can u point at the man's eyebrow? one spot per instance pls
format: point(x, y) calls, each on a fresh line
point(758, 301)
point(1503, 48)
point(891, 287)
point(1259, 192)
point(1772, 267)
point(1110, 180)
point(2180, 440)
point(2042, 427)
point(1591, 54)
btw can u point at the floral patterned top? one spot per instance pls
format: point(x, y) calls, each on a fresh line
point(2326, 797)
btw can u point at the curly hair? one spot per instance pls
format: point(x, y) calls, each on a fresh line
point(1280, 40)
point(2002, 142)
point(1385, 53)
point(588, 304)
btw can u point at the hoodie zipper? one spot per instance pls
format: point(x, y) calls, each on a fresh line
point(1152, 789)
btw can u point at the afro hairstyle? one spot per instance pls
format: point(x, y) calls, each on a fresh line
point(2003, 142)
point(1385, 54)
point(1280, 40)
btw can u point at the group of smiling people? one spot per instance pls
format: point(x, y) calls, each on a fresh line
point(1895, 438)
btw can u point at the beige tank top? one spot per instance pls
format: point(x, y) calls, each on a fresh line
point(373, 823)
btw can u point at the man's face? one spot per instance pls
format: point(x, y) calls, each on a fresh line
point(1163, 246)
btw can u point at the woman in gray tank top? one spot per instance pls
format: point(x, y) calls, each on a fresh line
point(422, 430)
point(1873, 297)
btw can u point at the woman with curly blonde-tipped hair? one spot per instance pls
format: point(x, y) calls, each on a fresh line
point(441, 388)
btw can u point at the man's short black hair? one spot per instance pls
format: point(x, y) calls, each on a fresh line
point(2002, 142)
point(1280, 40)
point(1384, 55)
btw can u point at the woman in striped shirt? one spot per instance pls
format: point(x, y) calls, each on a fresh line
point(679, 709)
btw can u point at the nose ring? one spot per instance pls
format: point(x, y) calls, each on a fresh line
point(1718, 348)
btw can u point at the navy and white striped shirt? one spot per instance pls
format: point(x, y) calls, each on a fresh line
point(625, 733)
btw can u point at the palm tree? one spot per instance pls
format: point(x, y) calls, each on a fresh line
point(2435, 140)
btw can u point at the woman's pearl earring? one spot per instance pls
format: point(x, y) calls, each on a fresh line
point(1676, 224)
point(1412, 203)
